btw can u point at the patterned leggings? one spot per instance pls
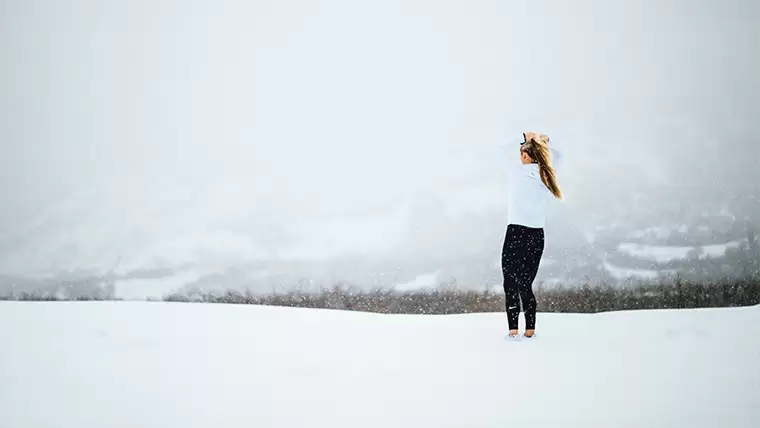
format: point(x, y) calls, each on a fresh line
point(520, 257)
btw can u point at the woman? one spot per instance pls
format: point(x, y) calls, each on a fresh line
point(530, 186)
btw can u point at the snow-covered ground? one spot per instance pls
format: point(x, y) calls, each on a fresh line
point(135, 364)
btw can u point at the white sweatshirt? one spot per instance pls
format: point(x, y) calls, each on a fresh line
point(527, 193)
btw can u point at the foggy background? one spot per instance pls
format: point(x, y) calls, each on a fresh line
point(272, 144)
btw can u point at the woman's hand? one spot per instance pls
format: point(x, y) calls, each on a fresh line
point(527, 136)
point(539, 138)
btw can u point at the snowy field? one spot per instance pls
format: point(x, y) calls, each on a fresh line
point(131, 364)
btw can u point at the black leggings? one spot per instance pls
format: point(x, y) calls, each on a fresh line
point(520, 257)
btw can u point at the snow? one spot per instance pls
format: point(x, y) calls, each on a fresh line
point(719, 250)
point(156, 288)
point(421, 282)
point(660, 254)
point(651, 233)
point(726, 213)
point(129, 364)
point(618, 272)
point(665, 254)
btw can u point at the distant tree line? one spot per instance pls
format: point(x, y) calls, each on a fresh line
point(584, 299)
point(81, 288)
point(587, 298)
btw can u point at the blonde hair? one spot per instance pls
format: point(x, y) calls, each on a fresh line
point(537, 148)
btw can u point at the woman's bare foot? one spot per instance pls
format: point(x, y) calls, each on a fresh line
point(530, 333)
point(513, 333)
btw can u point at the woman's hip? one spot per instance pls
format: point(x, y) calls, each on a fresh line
point(522, 234)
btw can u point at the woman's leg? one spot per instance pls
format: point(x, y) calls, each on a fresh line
point(511, 292)
point(529, 306)
point(512, 303)
point(532, 259)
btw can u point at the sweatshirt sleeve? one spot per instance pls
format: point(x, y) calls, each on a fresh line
point(511, 150)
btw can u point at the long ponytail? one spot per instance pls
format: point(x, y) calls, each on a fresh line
point(538, 150)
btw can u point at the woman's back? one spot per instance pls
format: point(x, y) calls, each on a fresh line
point(527, 197)
point(527, 193)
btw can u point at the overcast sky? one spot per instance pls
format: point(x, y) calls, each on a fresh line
point(153, 115)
